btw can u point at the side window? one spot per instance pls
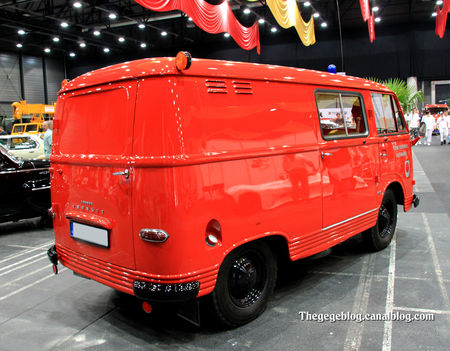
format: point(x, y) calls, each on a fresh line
point(353, 115)
point(398, 117)
point(23, 143)
point(387, 115)
point(340, 115)
point(330, 114)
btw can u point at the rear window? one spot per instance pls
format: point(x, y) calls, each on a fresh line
point(97, 123)
point(341, 114)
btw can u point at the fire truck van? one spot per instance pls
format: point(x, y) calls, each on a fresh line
point(179, 178)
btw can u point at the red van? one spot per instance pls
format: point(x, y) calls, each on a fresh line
point(173, 179)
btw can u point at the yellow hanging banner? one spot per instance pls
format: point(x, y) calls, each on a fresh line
point(287, 15)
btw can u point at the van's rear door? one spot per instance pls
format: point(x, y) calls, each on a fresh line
point(91, 187)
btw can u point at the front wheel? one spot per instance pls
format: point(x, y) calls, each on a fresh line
point(379, 236)
point(245, 281)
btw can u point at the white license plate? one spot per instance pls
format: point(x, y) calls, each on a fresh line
point(93, 235)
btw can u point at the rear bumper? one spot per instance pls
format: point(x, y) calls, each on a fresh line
point(166, 292)
point(151, 287)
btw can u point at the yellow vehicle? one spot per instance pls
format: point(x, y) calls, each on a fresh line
point(35, 115)
point(28, 128)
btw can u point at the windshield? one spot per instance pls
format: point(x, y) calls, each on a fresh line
point(435, 110)
point(5, 152)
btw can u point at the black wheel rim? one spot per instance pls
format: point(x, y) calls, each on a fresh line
point(385, 222)
point(247, 279)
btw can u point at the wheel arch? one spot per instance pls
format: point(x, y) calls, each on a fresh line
point(277, 243)
point(398, 191)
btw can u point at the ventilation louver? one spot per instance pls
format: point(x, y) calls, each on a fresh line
point(216, 86)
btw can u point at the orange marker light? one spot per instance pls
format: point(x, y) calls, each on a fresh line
point(183, 60)
point(64, 82)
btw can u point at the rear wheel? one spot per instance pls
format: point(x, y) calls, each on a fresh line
point(245, 281)
point(379, 237)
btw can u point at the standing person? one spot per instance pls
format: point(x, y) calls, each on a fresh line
point(2, 131)
point(408, 117)
point(447, 119)
point(48, 128)
point(442, 123)
point(415, 124)
point(430, 123)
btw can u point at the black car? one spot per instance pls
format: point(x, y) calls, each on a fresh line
point(24, 188)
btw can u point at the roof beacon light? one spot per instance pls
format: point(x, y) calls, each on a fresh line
point(183, 60)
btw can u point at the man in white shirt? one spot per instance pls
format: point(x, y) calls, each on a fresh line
point(408, 116)
point(442, 123)
point(430, 123)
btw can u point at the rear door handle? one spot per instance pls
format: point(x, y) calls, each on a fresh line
point(125, 173)
point(325, 154)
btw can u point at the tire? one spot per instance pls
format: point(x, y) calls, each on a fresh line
point(379, 236)
point(245, 281)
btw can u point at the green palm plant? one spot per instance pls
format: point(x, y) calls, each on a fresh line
point(408, 96)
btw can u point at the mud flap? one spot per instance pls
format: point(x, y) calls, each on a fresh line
point(53, 257)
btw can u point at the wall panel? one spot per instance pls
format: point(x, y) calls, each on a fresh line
point(33, 80)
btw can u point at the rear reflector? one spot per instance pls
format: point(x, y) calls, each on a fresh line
point(153, 235)
point(147, 307)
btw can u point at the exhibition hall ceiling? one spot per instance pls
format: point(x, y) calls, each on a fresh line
point(73, 29)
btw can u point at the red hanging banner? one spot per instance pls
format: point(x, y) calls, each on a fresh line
point(365, 9)
point(211, 18)
point(441, 18)
point(368, 17)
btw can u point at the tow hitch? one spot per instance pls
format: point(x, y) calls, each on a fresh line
point(53, 257)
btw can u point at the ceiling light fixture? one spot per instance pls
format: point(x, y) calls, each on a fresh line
point(21, 32)
point(434, 14)
point(19, 45)
point(164, 33)
point(47, 50)
point(439, 2)
point(72, 54)
point(56, 39)
point(143, 45)
point(307, 4)
point(316, 14)
point(190, 19)
point(141, 25)
point(375, 9)
point(82, 44)
point(96, 32)
point(377, 19)
point(261, 21)
point(112, 16)
point(273, 29)
point(121, 39)
point(77, 4)
point(106, 50)
point(64, 24)
point(226, 35)
point(247, 11)
point(324, 24)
